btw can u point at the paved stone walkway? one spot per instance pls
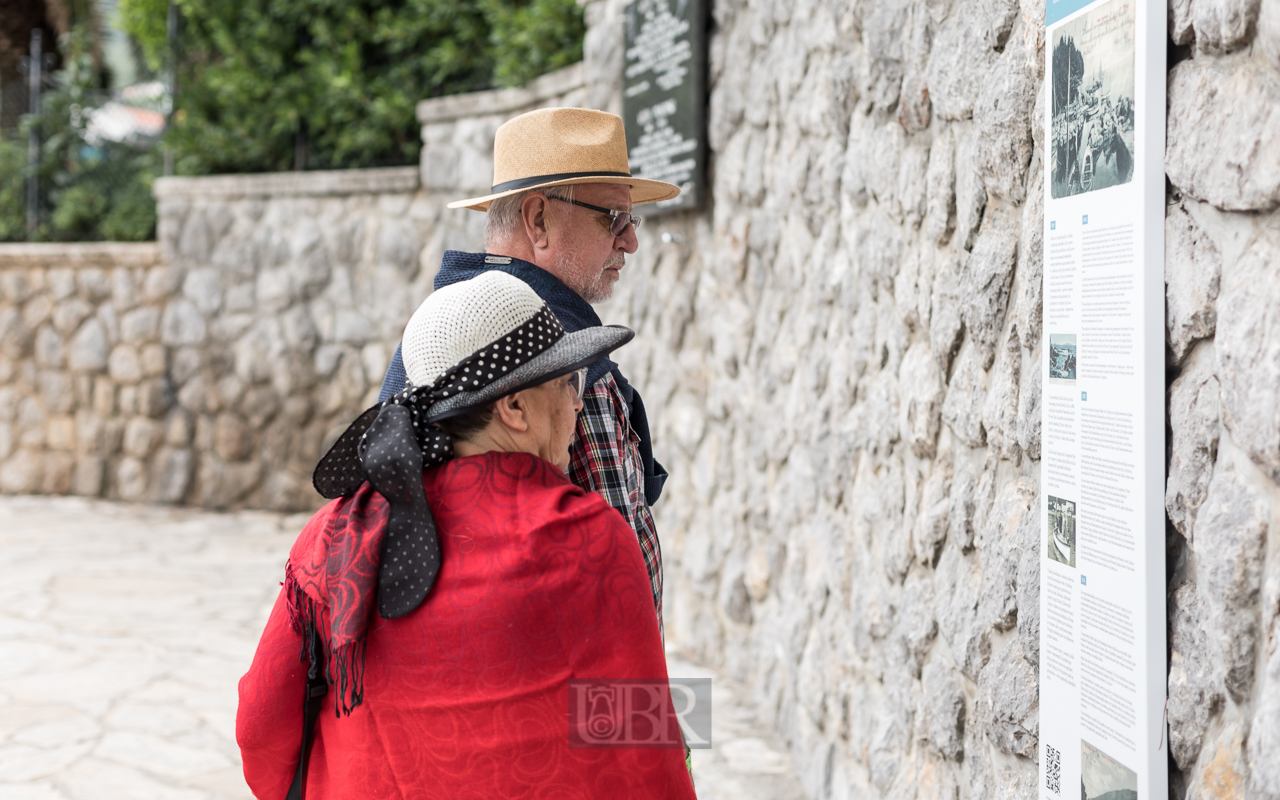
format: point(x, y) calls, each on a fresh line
point(123, 632)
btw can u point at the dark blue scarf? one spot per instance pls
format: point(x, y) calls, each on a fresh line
point(575, 314)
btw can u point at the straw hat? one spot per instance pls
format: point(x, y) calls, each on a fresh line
point(561, 146)
point(467, 345)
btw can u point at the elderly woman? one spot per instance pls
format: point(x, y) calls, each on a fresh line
point(496, 583)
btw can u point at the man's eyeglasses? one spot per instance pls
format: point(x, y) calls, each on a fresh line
point(578, 380)
point(620, 219)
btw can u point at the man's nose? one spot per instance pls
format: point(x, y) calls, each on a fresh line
point(627, 241)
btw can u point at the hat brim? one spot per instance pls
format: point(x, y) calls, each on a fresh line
point(643, 190)
point(574, 351)
point(339, 472)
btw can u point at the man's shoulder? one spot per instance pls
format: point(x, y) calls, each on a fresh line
point(459, 265)
point(603, 395)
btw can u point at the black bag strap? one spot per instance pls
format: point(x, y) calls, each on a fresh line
point(316, 688)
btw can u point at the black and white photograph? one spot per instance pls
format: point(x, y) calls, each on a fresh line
point(1104, 778)
point(1062, 531)
point(1093, 79)
point(1062, 358)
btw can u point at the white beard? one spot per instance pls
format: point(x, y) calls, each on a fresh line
point(600, 288)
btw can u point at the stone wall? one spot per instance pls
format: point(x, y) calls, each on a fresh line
point(60, 312)
point(841, 354)
point(209, 368)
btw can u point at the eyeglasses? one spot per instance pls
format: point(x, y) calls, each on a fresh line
point(620, 219)
point(578, 380)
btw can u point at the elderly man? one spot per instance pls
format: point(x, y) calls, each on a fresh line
point(560, 220)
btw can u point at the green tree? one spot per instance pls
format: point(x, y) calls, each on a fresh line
point(288, 84)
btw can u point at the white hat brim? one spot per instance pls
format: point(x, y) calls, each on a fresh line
point(573, 351)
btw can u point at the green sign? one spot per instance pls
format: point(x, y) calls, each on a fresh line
point(665, 96)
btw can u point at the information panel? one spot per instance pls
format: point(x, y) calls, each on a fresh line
point(1102, 580)
point(664, 98)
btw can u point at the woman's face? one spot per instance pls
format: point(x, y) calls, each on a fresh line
point(553, 415)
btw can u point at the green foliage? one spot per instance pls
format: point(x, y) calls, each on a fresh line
point(87, 192)
point(104, 197)
point(334, 83)
point(147, 21)
point(532, 38)
point(132, 216)
point(13, 191)
point(78, 211)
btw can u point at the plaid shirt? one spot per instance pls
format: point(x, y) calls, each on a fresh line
point(605, 458)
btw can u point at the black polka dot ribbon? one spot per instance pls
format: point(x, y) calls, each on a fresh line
point(411, 553)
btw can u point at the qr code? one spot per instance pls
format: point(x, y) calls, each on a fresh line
point(1052, 769)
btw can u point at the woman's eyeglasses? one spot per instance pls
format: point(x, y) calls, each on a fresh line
point(578, 380)
point(619, 219)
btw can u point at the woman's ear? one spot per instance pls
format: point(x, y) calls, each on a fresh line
point(513, 412)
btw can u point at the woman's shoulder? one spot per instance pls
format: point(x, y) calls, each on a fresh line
point(515, 487)
point(500, 478)
point(498, 472)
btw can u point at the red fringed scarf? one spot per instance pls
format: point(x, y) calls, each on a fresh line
point(332, 576)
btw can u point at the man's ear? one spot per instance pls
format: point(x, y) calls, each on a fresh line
point(534, 213)
point(513, 412)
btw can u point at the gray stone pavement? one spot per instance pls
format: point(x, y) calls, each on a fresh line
point(123, 632)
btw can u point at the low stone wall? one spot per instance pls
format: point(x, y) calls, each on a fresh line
point(287, 293)
point(61, 309)
point(211, 367)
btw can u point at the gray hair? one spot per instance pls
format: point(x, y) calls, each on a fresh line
point(504, 219)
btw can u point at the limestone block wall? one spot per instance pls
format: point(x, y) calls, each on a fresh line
point(211, 367)
point(287, 294)
point(840, 356)
point(61, 412)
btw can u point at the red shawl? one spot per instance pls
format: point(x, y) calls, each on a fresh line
point(468, 696)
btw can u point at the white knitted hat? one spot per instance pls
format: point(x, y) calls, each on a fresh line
point(490, 336)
